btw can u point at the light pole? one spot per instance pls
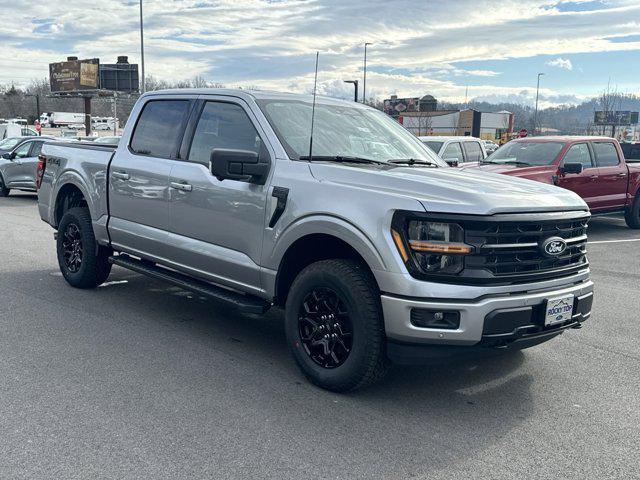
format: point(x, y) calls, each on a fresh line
point(355, 85)
point(142, 89)
point(364, 83)
point(37, 103)
point(535, 115)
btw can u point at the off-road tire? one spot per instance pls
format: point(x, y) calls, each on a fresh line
point(632, 215)
point(94, 268)
point(354, 285)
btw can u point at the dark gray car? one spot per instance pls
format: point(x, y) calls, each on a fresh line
point(18, 165)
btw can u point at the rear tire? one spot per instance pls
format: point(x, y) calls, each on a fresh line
point(632, 215)
point(4, 191)
point(82, 262)
point(334, 325)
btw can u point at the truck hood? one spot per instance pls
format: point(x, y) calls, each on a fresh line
point(512, 170)
point(452, 190)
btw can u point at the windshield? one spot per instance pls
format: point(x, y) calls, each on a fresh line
point(342, 130)
point(8, 143)
point(434, 146)
point(526, 153)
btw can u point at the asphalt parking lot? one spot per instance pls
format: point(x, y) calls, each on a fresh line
point(140, 380)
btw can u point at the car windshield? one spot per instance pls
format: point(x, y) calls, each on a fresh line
point(526, 153)
point(9, 143)
point(434, 146)
point(343, 131)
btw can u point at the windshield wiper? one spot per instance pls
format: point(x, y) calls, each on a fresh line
point(339, 158)
point(411, 161)
point(509, 162)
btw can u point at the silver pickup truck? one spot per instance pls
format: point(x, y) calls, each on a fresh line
point(377, 250)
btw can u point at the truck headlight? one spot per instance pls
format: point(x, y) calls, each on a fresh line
point(431, 247)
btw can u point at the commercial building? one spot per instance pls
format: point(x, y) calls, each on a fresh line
point(485, 125)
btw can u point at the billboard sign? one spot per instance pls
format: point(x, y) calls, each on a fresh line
point(396, 106)
point(74, 75)
point(617, 117)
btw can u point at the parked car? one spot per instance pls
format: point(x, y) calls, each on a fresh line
point(101, 126)
point(76, 126)
point(490, 146)
point(593, 167)
point(376, 249)
point(18, 165)
point(455, 150)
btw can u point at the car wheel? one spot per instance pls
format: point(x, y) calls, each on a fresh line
point(334, 325)
point(4, 191)
point(632, 215)
point(82, 262)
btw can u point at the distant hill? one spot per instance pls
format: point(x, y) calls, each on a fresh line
point(575, 119)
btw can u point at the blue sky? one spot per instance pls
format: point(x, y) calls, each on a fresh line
point(492, 48)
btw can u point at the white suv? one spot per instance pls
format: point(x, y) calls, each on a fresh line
point(455, 150)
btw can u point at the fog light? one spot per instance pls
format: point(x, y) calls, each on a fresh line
point(444, 319)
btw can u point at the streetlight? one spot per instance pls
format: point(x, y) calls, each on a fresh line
point(535, 115)
point(37, 103)
point(364, 83)
point(355, 85)
point(141, 48)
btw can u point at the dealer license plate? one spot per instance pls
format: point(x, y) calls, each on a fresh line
point(559, 310)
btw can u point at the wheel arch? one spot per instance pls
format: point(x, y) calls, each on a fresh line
point(70, 194)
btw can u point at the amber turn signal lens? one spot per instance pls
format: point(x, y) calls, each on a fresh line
point(399, 245)
point(432, 247)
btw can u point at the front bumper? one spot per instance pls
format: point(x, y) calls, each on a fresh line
point(490, 320)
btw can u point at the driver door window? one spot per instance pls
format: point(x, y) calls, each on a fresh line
point(579, 153)
point(23, 150)
point(223, 125)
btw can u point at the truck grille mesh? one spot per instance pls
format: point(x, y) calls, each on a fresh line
point(513, 248)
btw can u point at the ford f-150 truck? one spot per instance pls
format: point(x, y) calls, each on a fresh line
point(593, 167)
point(377, 250)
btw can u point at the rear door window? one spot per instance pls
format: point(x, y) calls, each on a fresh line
point(37, 148)
point(606, 154)
point(159, 128)
point(472, 151)
point(578, 153)
point(453, 152)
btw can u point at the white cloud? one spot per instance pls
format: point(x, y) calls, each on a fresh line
point(272, 44)
point(563, 63)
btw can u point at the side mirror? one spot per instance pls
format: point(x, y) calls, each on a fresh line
point(9, 156)
point(241, 165)
point(571, 168)
point(452, 162)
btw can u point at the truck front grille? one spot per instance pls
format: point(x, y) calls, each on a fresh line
point(512, 248)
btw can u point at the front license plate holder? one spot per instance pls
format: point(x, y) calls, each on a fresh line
point(558, 310)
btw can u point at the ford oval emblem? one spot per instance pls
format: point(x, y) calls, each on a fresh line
point(554, 246)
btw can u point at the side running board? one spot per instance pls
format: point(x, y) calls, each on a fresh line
point(245, 303)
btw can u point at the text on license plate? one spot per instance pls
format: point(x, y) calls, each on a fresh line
point(559, 310)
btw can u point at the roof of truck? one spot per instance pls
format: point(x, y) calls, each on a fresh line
point(256, 94)
point(562, 138)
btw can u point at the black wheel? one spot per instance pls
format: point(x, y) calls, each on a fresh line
point(4, 191)
point(632, 215)
point(82, 262)
point(334, 325)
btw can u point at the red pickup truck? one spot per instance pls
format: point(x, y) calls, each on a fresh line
point(593, 167)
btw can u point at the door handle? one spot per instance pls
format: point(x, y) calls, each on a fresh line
point(120, 175)
point(622, 175)
point(185, 187)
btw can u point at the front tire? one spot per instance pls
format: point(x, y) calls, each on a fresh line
point(632, 215)
point(82, 262)
point(4, 191)
point(334, 325)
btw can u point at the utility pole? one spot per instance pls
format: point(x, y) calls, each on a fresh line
point(142, 85)
point(535, 115)
point(115, 113)
point(355, 87)
point(364, 83)
point(37, 103)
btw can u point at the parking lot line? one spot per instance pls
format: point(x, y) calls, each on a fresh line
point(616, 241)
